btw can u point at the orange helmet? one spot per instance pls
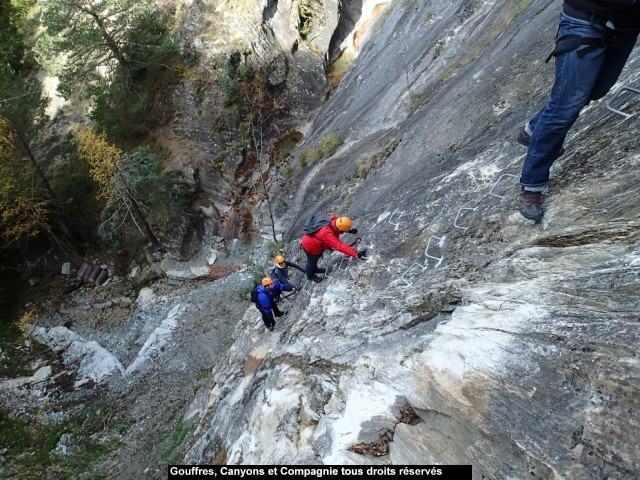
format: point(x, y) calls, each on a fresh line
point(266, 281)
point(280, 259)
point(343, 224)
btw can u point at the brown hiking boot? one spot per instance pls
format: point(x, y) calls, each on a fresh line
point(530, 205)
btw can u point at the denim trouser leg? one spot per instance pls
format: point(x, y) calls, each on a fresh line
point(577, 82)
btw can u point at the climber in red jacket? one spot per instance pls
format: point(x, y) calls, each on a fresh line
point(327, 238)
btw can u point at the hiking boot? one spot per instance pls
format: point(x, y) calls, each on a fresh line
point(530, 205)
point(270, 328)
point(523, 138)
point(315, 279)
point(321, 270)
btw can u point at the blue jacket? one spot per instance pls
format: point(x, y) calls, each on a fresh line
point(282, 274)
point(265, 296)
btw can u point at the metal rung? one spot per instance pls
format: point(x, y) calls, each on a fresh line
point(455, 222)
point(400, 214)
point(340, 264)
point(423, 268)
point(499, 180)
point(626, 116)
point(440, 244)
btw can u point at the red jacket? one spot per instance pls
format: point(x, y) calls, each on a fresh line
point(326, 238)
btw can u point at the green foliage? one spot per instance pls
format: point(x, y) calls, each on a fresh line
point(24, 194)
point(24, 209)
point(117, 54)
point(327, 146)
point(91, 35)
point(169, 447)
point(230, 79)
point(162, 197)
point(275, 248)
point(257, 273)
point(308, 11)
point(29, 446)
point(23, 103)
point(243, 292)
point(130, 103)
point(122, 110)
point(76, 189)
point(288, 173)
point(124, 425)
point(136, 191)
point(11, 45)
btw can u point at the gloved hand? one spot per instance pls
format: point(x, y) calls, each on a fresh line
point(362, 253)
point(353, 230)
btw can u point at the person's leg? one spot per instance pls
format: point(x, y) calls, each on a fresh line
point(312, 265)
point(276, 310)
point(574, 82)
point(268, 320)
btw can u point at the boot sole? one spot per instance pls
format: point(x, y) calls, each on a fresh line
point(528, 216)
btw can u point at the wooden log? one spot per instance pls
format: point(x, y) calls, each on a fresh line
point(87, 273)
point(83, 269)
point(94, 274)
point(102, 276)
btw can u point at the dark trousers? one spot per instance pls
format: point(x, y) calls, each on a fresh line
point(269, 320)
point(312, 264)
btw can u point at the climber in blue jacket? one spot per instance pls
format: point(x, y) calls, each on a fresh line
point(267, 292)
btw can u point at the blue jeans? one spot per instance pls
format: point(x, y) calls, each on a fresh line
point(578, 82)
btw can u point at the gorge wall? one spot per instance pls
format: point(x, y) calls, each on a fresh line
point(469, 335)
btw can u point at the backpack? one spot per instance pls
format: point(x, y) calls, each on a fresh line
point(254, 295)
point(314, 224)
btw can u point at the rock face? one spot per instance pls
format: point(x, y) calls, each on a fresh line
point(513, 345)
point(265, 35)
point(468, 335)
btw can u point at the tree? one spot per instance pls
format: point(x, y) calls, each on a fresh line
point(262, 107)
point(11, 46)
point(259, 106)
point(23, 107)
point(24, 212)
point(28, 205)
point(122, 179)
point(93, 35)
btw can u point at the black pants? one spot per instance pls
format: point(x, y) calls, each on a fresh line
point(312, 264)
point(269, 320)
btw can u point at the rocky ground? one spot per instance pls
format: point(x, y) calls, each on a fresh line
point(144, 373)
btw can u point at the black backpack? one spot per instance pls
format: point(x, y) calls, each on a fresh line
point(254, 295)
point(314, 224)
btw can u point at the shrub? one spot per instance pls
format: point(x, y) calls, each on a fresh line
point(329, 144)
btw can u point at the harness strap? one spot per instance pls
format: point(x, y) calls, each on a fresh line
point(573, 42)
